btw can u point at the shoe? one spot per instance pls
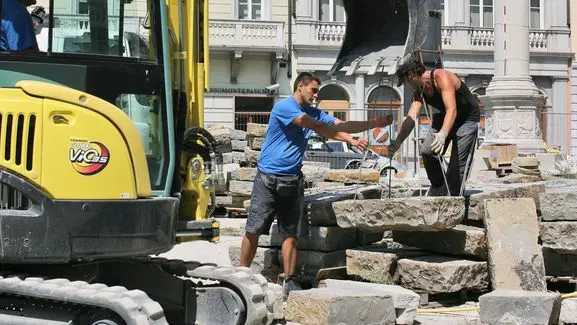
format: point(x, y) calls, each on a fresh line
point(437, 191)
point(290, 284)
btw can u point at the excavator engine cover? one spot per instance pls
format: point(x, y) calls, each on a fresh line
point(380, 35)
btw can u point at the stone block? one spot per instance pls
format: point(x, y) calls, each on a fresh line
point(238, 157)
point(405, 301)
point(568, 313)
point(246, 204)
point(324, 239)
point(559, 236)
point(316, 163)
point(440, 274)
point(517, 307)
point(375, 267)
point(255, 143)
point(256, 130)
point(319, 203)
point(240, 187)
point(323, 306)
point(353, 176)
point(559, 206)
point(415, 213)
point(265, 261)
point(461, 318)
point(239, 135)
point(251, 156)
point(328, 185)
point(227, 158)
point(309, 263)
point(461, 240)
point(315, 173)
point(244, 174)
point(232, 227)
point(559, 264)
point(475, 199)
point(515, 257)
point(239, 145)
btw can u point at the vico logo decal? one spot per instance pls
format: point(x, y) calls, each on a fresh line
point(88, 158)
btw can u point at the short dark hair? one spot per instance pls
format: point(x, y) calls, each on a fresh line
point(414, 64)
point(305, 78)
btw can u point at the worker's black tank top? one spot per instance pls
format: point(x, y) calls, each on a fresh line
point(467, 104)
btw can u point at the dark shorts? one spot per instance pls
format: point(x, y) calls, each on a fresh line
point(281, 197)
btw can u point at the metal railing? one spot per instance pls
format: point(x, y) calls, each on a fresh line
point(246, 34)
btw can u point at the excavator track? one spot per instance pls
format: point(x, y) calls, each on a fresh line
point(50, 295)
point(219, 289)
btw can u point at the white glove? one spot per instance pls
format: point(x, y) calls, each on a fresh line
point(438, 141)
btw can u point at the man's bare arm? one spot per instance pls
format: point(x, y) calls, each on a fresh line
point(447, 88)
point(323, 129)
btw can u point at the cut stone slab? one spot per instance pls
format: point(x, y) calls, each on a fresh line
point(324, 306)
point(461, 240)
point(240, 187)
point(265, 261)
point(251, 156)
point(244, 174)
point(559, 236)
point(353, 176)
point(315, 173)
point(568, 314)
point(515, 257)
point(256, 130)
point(405, 301)
point(475, 199)
point(227, 158)
point(519, 307)
point(238, 157)
point(328, 185)
point(559, 264)
point(319, 202)
point(460, 318)
point(324, 239)
point(255, 143)
point(415, 213)
point(232, 227)
point(239, 145)
point(238, 135)
point(440, 274)
point(559, 206)
point(231, 200)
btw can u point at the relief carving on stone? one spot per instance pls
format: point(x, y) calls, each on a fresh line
point(526, 123)
point(490, 126)
point(504, 124)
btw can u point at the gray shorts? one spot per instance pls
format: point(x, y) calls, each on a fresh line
point(280, 196)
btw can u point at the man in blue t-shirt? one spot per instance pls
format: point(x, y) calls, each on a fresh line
point(278, 188)
point(17, 30)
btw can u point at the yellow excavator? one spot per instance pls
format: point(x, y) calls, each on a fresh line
point(104, 164)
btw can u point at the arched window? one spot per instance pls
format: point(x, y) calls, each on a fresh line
point(334, 100)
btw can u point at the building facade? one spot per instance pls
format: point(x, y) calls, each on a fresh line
point(240, 70)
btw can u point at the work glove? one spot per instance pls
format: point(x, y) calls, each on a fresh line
point(438, 141)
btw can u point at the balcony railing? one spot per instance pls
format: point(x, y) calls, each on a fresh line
point(319, 33)
point(483, 39)
point(246, 34)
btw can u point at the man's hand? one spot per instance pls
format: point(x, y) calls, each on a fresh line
point(381, 121)
point(360, 143)
point(438, 141)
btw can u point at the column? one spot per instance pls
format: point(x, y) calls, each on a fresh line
point(358, 113)
point(558, 118)
point(512, 101)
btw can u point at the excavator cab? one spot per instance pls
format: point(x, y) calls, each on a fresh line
point(381, 35)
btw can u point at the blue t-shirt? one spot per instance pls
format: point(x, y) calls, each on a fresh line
point(285, 142)
point(17, 31)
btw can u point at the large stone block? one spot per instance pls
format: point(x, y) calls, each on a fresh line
point(319, 203)
point(461, 240)
point(568, 313)
point(244, 174)
point(324, 239)
point(353, 176)
point(256, 130)
point(559, 264)
point(243, 188)
point(415, 213)
point(222, 138)
point(328, 185)
point(238, 135)
point(315, 173)
point(265, 261)
point(405, 301)
point(227, 158)
point(475, 199)
point(441, 274)
point(557, 206)
point(518, 307)
point(251, 156)
point(255, 143)
point(238, 157)
point(324, 306)
point(239, 145)
point(559, 236)
point(515, 257)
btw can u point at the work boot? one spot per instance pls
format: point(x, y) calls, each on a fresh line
point(437, 190)
point(290, 284)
